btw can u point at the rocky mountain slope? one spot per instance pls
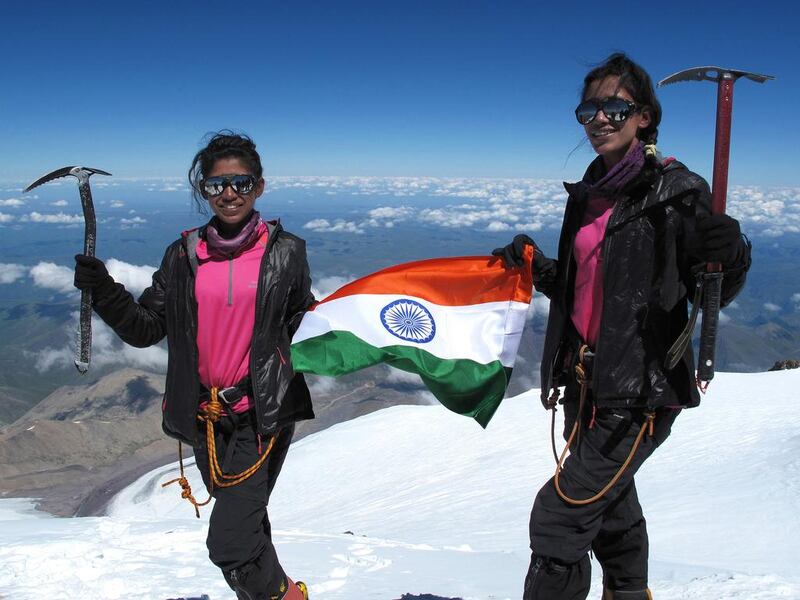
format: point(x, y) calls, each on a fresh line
point(81, 444)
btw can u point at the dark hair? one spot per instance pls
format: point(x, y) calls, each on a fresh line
point(223, 144)
point(636, 82)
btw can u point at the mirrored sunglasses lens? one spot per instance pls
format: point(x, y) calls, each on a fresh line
point(616, 110)
point(213, 186)
point(243, 184)
point(585, 112)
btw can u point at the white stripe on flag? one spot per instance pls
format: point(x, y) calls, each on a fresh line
point(483, 333)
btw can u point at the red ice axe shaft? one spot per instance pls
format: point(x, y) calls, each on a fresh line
point(711, 280)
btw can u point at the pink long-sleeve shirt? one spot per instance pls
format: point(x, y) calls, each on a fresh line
point(587, 304)
point(225, 289)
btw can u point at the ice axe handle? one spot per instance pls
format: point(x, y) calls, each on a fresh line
point(712, 293)
point(712, 279)
point(89, 240)
point(722, 146)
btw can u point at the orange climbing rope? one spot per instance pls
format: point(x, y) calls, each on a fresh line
point(211, 414)
point(581, 376)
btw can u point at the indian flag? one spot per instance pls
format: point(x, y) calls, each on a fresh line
point(457, 322)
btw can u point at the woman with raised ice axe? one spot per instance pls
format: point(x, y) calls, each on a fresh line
point(637, 229)
point(228, 296)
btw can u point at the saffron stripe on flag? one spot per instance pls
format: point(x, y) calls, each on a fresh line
point(447, 281)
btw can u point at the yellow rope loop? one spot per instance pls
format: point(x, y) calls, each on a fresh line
point(647, 426)
point(211, 414)
point(213, 410)
point(186, 492)
point(580, 375)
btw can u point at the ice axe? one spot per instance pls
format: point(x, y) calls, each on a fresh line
point(89, 238)
point(710, 284)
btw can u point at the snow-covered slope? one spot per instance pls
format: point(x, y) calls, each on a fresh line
point(417, 499)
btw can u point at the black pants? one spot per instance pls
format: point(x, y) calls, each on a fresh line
point(239, 530)
point(613, 527)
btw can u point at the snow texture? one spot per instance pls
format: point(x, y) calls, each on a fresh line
point(414, 499)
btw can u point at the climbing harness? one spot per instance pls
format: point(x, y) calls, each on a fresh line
point(211, 413)
point(583, 377)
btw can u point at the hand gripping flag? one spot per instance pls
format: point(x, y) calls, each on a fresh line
point(456, 322)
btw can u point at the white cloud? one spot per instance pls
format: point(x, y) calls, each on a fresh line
point(393, 375)
point(523, 204)
point(771, 211)
point(12, 202)
point(325, 286)
point(10, 272)
point(394, 213)
point(61, 218)
point(117, 204)
point(54, 277)
point(133, 221)
point(59, 203)
point(46, 359)
point(6, 218)
point(107, 349)
point(772, 307)
point(498, 226)
point(135, 278)
point(338, 226)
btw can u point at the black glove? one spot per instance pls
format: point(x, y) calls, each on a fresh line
point(512, 254)
point(716, 239)
point(91, 274)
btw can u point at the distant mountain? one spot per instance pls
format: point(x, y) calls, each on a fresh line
point(81, 444)
point(80, 437)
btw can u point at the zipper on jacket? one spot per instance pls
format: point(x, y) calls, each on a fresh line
point(230, 280)
point(260, 303)
point(237, 583)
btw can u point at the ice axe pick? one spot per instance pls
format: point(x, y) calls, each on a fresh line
point(82, 174)
point(711, 282)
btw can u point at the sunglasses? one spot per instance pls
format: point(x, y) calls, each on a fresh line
point(616, 109)
point(240, 184)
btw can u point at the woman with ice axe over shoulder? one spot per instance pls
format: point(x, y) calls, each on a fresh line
point(636, 230)
point(228, 297)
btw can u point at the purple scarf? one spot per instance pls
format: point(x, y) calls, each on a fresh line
point(227, 247)
point(619, 176)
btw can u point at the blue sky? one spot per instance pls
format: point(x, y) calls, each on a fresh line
point(378, 88)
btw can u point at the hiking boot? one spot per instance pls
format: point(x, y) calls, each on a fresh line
point(623, 595)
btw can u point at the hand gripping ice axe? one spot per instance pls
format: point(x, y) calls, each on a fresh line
point(710, 286)
point(89, 237)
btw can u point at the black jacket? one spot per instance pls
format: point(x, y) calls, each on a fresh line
point(168, 307)
point(647, 277)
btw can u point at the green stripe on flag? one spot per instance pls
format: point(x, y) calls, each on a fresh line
point(462, 385)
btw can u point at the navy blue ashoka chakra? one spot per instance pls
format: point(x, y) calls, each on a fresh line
point(409, 320)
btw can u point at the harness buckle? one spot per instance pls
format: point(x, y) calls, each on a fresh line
point(230, 395)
